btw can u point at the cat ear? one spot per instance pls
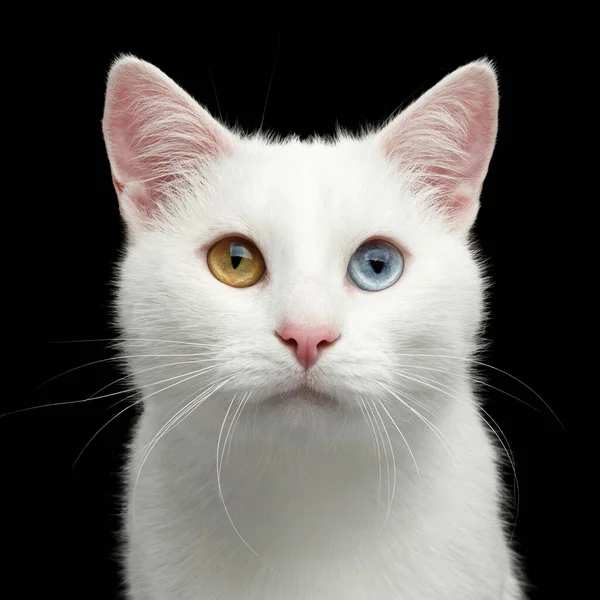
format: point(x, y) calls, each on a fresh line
point(447, 137)
point(156, 135)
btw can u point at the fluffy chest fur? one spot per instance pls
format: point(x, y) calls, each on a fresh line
point(319, 523)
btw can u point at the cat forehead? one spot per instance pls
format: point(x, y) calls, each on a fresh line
point(309, 169)
point(319, 186)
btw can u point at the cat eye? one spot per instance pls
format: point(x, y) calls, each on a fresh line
point(236, 261)
point(375, 266)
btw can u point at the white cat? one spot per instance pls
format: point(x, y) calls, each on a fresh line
point(300, 319)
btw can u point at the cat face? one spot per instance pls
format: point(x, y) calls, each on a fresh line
point(207, 209)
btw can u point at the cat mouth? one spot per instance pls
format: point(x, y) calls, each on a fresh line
point(302, 395)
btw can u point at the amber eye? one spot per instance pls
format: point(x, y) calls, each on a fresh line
point(236, 261)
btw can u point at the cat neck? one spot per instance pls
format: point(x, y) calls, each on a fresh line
point(311, 483)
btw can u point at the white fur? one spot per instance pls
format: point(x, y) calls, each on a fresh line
point(306, 481)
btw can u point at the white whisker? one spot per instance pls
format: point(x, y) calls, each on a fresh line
point(117, 359)
point(136, 339)
point(195, 374)
point(198, 371)
point(433, 428)
point(366, 421)
point(474, 380)
point(233, 425)
point(339, 433)
point(378, 450)
point(477, 362)
point(221, 496)
point(394, 473)
point(371, 406)
point(171, 424)
point(400, 432)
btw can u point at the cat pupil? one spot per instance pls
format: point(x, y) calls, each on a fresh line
point(235, 261)
point(377, 265)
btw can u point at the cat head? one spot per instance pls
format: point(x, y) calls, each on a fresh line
point(294, 270)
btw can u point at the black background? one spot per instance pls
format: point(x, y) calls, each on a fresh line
point(317, 79)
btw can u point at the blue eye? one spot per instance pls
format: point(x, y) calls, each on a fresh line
point(376, 265)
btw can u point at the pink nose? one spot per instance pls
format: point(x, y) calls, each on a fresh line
point(307, 341)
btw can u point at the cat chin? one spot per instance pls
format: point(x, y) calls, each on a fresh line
point(301, 409)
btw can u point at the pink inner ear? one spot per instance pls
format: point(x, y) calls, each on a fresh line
point(448, 136)
point(155, 133)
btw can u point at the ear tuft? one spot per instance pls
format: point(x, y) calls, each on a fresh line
point(155, 135)
point(447, 138)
